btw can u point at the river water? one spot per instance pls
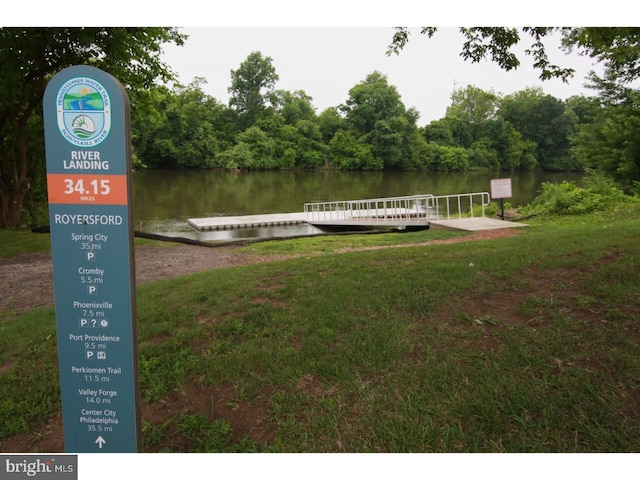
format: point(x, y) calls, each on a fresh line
point(165, 199)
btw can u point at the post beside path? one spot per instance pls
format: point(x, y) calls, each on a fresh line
point(87, 138)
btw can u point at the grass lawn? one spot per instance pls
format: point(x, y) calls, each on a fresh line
point(523, 344)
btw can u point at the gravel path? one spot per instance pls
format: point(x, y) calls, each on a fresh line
point(26, 281)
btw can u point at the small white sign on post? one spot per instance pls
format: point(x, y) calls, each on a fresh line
point(501, 188)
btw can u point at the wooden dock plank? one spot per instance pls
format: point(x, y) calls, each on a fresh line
point(248, 221)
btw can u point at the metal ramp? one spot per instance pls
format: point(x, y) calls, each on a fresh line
point(396, 212)
point(399, 212)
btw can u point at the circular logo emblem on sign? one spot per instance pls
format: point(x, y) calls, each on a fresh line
point(84, 112)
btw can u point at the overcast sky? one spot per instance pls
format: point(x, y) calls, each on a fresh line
point(326, 48)
point(326, 62)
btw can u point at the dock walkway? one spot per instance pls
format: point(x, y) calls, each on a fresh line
point(248, 221)
point(298, 218)
point(457, 212)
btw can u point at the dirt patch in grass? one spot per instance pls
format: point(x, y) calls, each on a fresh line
point(48, 437)
point(526, 299)
point(248, 420)
point(27, 279)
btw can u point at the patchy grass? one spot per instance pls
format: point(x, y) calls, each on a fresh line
point(15, 242)
point(338, 243)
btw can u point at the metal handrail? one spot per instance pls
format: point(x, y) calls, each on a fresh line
point(437, 206)
point(406, 208)
point(411, 208)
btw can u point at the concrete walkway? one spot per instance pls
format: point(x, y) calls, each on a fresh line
point(474, 224)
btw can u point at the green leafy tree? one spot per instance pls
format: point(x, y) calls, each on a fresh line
point(484, 155)
point(35, 202)
point(370, 101)
point(544, 120)
point(453, 158)
point(300, 135)
point(610, 140)
point(252, 86)
point(473, 106)
point(154, 144)
point(348, 152)
point(497, 45)
point(29, 57)
point(517, 109)
point(310, 150)
point(148, 119)
point(617, 48)
point(611, 143)
point(284, 139)
point(439, 131)
point(330, 121)
point(263, 149)
point(513, 151)
point(426, 156)
point(450, 130)
point(608, 143)
point(392, 140)
point(374, 112)
point(473, 124)
point(421, 154)
point(583, 109)
point(293, 106)
point(237, 157)
point(187, 133)
point(443, 158)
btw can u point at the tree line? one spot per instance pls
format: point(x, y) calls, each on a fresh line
point(263, 127)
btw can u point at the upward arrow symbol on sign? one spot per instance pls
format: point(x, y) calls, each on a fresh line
point(100, 441)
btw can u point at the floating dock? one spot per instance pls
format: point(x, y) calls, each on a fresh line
point(415, 211)
point(299, 218)
point(248, 221)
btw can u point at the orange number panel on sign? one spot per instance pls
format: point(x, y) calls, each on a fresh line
point(87, 189)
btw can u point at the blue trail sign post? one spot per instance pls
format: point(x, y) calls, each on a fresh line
point(87, 138)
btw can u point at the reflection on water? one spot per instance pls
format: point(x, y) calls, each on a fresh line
point(178, 228)
point(164, 200)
